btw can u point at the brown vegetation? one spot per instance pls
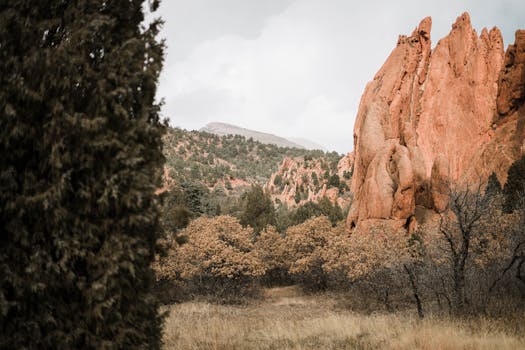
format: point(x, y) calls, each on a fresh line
point(289, 320)
point(468, 260)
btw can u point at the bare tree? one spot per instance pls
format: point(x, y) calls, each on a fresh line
point(517, 236)
point(459, 225)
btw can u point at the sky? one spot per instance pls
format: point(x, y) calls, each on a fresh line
point(295, 68)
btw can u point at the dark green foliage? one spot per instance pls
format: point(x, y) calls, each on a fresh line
point(297, 197)
point(332, 211)
point(81, 153)
point(258, 211)
point(315, 179)
point(333, 181)
point(283, 218)
point(278, 180)
point(305, 178)
point(195, 197)
point(230, 156)
point(343, 187)
point(176, 213)
point(312, 209)
point(514, 189)
point(305, 212)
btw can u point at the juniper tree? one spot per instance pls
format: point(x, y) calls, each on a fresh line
point(80, 154)
point(258, 210)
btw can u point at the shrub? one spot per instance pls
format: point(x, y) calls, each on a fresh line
point(218, 258)
point(278, 180)
point(270, 246)
point(304, 247)
point(333, 181)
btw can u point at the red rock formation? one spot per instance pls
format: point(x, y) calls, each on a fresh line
point(346, 165)
point(511, 88)
point(434, 117)
point(298, 174)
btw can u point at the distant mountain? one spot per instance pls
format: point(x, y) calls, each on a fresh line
point(308, 144)
point(223, 129)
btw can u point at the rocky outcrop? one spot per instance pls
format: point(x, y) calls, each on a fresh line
point(346, 164)
point(435, 117)
point(511, 94)
point(300, 180)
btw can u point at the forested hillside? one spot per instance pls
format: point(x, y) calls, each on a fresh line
point(209, 175)
point(230, 161)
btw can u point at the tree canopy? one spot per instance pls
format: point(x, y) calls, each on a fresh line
point(81, 154)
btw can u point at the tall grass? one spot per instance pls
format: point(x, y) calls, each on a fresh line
point(288, 320)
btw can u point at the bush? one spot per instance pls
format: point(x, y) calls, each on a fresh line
point(270, 247)
point(304, 247)
point(333, 181)
point(218, 259)
point(278, 180)
point(312, 209)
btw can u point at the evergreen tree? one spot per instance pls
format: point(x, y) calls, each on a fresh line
point(258, 211)
point(333, 181)
point(331, 210)
point(80, 158)
point(514, 189)
point(323, 208)
point(176, 214)
point(196, 197)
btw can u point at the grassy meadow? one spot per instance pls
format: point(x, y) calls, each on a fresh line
point(285, 318)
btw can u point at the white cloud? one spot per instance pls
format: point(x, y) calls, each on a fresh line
point(300, 72)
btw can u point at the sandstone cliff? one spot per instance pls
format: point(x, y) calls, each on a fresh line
point(432, 117)
point(302, 179)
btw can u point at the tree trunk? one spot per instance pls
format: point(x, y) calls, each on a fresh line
point(415, 291)
point(459, 290)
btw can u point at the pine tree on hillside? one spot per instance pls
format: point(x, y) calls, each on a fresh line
point(80, 158)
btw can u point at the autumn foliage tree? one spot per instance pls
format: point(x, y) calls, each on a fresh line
point(80, 158)
point(374, 259)
point(305, 244)
point(271, 248)
point(218, 257)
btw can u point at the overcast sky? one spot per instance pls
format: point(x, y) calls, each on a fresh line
point(295, 68)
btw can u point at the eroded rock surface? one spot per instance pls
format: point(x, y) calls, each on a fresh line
point(436, 117)
point(300, 180)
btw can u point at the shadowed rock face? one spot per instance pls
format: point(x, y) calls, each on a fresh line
point(430, 118)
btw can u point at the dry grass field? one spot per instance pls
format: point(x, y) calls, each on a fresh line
point(286, 319)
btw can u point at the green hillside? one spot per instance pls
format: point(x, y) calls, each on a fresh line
point(196, 156)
